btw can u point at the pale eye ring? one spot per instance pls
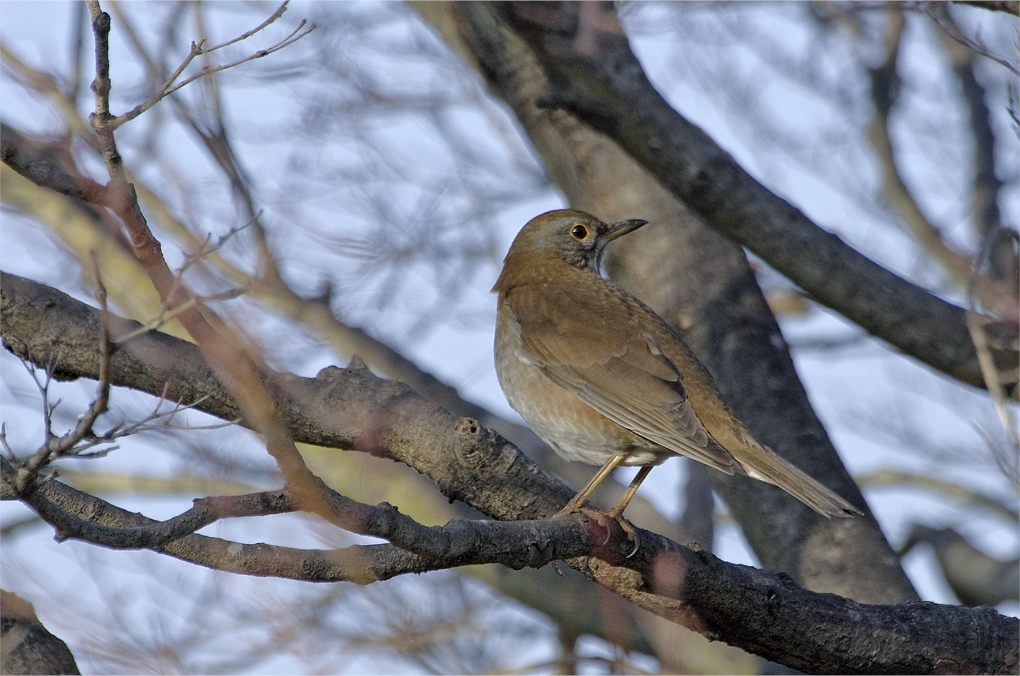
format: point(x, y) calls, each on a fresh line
point(578, 232)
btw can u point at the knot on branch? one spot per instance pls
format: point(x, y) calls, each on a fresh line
point(102, 23)
point(477, 445)
point(468, 426)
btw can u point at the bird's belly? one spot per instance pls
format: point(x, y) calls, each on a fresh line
point(572, 428)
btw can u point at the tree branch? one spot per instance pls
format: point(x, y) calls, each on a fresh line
point(199, 49)
point(236, 365)
point(35, 164)
point(460, 542)
point(759, 611)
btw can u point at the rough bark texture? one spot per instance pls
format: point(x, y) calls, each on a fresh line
point(26, 646)
point(703, 284)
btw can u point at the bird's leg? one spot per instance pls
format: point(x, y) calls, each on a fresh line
point(617, 511)
point(577, 504)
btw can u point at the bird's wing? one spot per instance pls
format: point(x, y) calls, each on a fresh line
point(599, 353)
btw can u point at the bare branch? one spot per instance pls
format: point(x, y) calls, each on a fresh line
point(761, 611)
point(31, 161)
point(70, 443)
point(198, 49)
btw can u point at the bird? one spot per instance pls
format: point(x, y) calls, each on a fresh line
point(603, 380)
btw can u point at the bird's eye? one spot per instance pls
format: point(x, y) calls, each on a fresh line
point(578, 232)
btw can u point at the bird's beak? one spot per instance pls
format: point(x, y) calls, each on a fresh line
point(620, 228)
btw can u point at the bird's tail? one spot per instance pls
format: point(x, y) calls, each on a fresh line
point(762, 463)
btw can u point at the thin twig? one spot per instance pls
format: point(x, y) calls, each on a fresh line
point(939, 13)
point(54, 446)
point(44, 389)
point(265, 24)
point(83, 437)
point(198, 49)
point(100, 404)
point(165, 315)
point(290, 39)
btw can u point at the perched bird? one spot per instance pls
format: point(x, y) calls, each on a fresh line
point(604, 380)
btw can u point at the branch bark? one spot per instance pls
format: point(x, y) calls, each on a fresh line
point(28, 647)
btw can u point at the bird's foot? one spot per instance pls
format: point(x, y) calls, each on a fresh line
point(602, 518)
point(627, 527)
point(575, 506)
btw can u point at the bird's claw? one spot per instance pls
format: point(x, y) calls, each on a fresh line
point(602, 518)
point(628, 528)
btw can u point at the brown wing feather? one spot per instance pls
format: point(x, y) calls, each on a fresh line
point(625, 378)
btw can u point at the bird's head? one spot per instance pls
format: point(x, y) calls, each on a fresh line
point(563, 236)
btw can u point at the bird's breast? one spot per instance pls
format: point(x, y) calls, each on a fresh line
point(572, 428)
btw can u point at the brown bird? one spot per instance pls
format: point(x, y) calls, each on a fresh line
point(604, 380)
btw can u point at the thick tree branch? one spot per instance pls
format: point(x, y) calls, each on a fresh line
point(594, 75)
point(718, 599)
point(740, 605)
